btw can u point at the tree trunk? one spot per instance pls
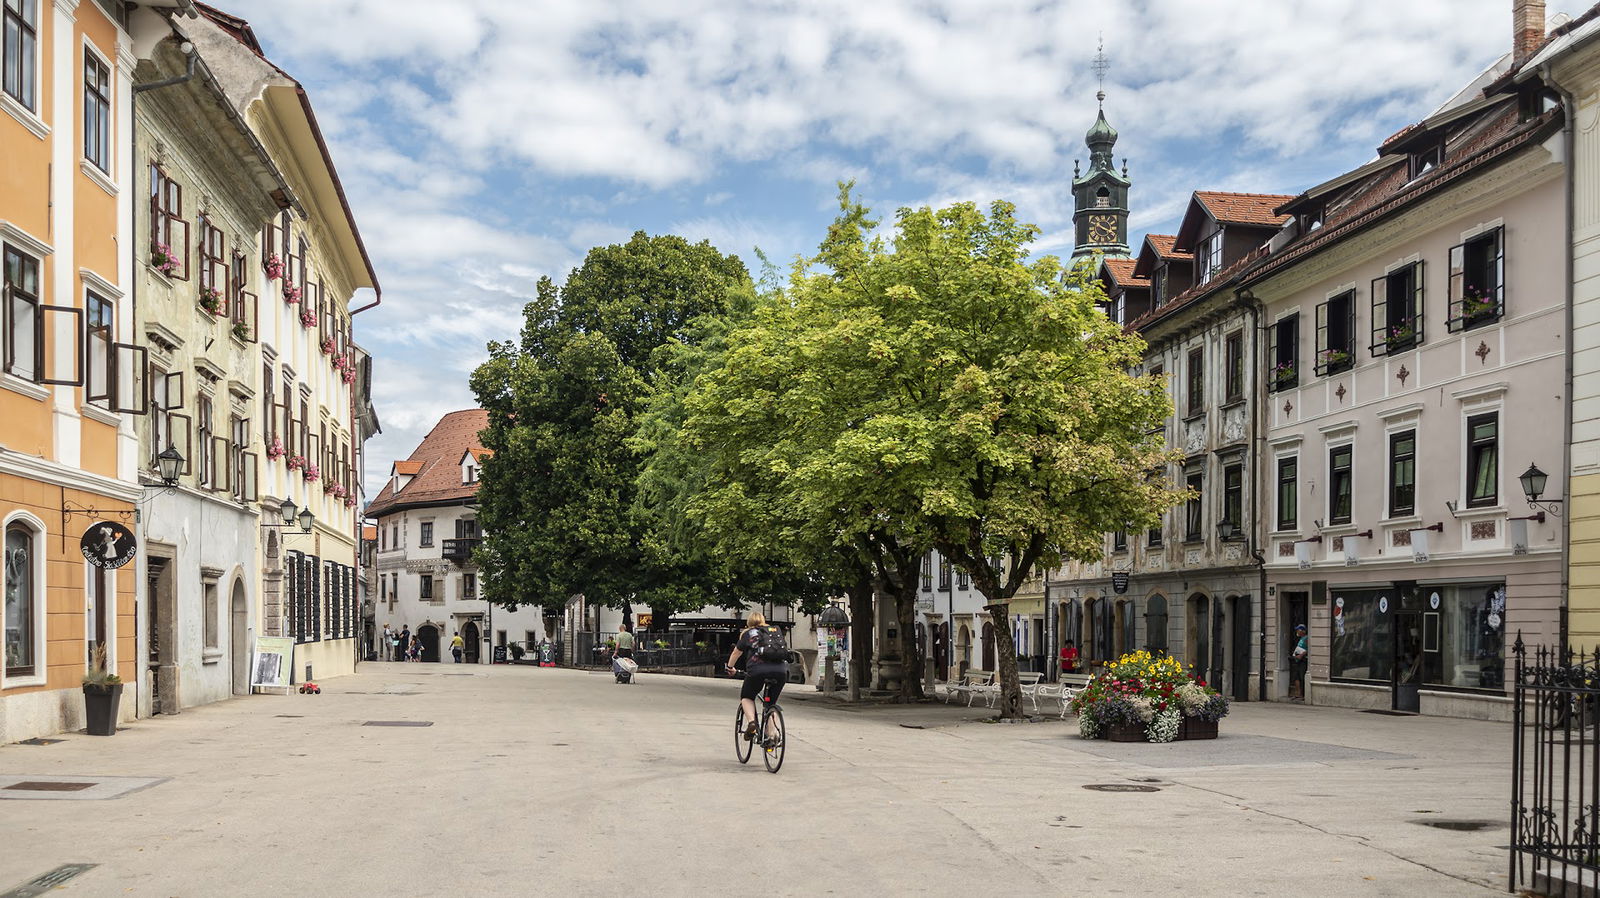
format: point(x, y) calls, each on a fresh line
point(905, 614)
point(861, 625)
point(660, 616)
point(1006, 658)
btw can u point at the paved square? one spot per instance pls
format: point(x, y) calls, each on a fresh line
point(557, 782)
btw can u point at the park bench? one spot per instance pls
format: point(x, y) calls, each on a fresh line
point(1030, 682)
point(1075, 680)
point(971, 684)
point(1059, 691)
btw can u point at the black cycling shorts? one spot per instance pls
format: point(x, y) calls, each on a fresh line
point(754, 681)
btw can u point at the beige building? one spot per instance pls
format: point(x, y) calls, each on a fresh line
point(1416, 313)
point(312, 400)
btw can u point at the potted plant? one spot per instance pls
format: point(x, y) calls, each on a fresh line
point(211, 300)
point(276, 450)
point(307, 320)
point(1333, 359)
point(1401, 335)
point(102, 693)
point(1477, 303)
point(291, 293)
point(311, 473)
point(1283, 374)
point(1202, 708)
point(241, 331)
point(1136, 698)
point(517, 651)
point(274, 267)
point(163, 258)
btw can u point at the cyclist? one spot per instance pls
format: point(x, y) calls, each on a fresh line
point(758, 670)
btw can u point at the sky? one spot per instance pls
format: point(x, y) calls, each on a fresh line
point(487, 143)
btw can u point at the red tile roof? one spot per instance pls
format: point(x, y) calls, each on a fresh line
point(1121, 272)
point(408, 467)
point(438, 463)
point(1157, 247)
point(1162, 244)
point(1244, 208)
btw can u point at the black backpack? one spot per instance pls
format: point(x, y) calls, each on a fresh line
point(770, 646)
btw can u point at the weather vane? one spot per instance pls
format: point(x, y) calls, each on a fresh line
point(1101, 65)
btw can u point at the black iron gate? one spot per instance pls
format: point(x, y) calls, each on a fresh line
point(1555, 786)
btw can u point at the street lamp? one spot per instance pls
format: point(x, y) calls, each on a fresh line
point(1533, 482)
point(1226, 530)
point(169, 463)
point(288, 509)
point(306, 519)
point(833, 620)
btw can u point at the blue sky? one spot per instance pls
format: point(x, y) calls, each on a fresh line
point(485, 143)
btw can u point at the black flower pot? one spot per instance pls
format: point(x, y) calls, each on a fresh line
point(100, 706)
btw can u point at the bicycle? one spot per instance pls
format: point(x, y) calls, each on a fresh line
point(769, 720)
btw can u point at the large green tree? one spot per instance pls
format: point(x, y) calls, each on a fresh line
point(558, 501)
point(943, 388)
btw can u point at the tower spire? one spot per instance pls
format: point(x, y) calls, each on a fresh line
point(1100, 66)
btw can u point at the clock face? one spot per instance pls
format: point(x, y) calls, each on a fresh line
point(1102, 229)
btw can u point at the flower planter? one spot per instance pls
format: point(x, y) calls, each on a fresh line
point(1125, 732)
point(100, 707)
point(1195, 728)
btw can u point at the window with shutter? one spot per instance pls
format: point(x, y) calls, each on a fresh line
point(1197, 381)
point(215, 290)
point(1233, 358)
point(1336, 334)
point(169, 232)
point(21, 313)
point(238, 443)
point(204, 435)
point(129, 388)
point(1397, 310)
point(1285, 371)
point(102, 334)
point(58, 346)
point(1477, 281)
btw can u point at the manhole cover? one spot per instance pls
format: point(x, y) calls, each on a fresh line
point(48, 786)
point(398, 723)
point(45, 883)
point(39, 741)
point(1464, 826)
point(1119, 787)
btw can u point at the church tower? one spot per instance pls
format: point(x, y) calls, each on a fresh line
point(1100, 195)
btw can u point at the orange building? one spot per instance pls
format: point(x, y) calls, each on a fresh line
point(71, 378)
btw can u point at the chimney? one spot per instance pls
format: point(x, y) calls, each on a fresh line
point(1527, 29)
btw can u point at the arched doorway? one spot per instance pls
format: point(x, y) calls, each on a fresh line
point(473, 640)
point(964, 650)
point(941, 648)
point(428, 638)
point(1088, 644)
point(1197, 635)
point(239, 639)
point(988, 645)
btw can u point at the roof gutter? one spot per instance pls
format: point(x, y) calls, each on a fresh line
point(1568, 146)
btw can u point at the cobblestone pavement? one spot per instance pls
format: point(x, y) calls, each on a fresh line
point(555, 782)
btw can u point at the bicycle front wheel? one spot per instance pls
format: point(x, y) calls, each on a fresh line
point(774, 739)
point(741, 745)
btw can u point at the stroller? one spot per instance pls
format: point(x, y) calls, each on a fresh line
point(624, 668)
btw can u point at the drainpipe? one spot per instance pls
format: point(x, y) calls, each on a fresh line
point(1569, 108)
point(1256, 308)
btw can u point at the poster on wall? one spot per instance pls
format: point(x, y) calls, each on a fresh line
point(269, 666)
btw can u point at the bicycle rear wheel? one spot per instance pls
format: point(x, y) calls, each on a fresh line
point(774, 743)
point(741, 745)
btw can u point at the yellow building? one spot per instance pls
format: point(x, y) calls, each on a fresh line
point(313, 389)
point(70, 374)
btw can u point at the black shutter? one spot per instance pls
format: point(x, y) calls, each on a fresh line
point(1322, 345)
point(1380, 316)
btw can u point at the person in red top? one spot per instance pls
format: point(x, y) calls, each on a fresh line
point(1069, 658)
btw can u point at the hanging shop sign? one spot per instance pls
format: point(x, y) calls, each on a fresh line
point(108, 545)
point(1119, 582)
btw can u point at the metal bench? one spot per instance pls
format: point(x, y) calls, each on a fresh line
point(968, 685)
point(1030, 682)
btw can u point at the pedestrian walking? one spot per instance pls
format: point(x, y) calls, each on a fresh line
point(387, 644)
point(1298, 661)
point(457, 646)
point(414, 653)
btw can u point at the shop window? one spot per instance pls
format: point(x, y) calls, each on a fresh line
point(1361, 639)
point(1339, 484)
point(1483, 464)
point(1463, 634)
point(23, 596)
point(1402, 473)
point(1336, 334)
point(1285, 372)
point(1289, 493)
point(1477, 281)
point(1397, 310)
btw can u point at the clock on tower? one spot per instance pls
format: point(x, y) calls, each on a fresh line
point(1100, 197)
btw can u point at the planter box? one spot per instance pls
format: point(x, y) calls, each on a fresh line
point(1123, 732)
point(1192, 728)
point(100, 707)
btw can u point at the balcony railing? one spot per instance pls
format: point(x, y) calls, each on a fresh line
point(460, 549)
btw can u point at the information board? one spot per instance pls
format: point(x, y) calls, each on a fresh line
point(269, 665)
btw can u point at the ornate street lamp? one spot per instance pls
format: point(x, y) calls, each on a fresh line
point(170, 464)
point(1533, 482)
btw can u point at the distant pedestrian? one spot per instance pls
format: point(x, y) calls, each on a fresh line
point(414, 653)
point(624, 641)
point(1298, 662)
point(387, 643)
point(1069, 657)
point(403, 650)
point(457, 646)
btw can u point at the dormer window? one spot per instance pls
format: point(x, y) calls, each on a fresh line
point(469, 473)
point(1210, 256)
point(1426, 159)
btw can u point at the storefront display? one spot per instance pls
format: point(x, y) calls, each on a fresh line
point(1461, 629)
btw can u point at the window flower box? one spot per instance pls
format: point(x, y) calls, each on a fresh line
point(163, 258)
point(1283, 375)
point(349, 501)
point(291, 293)
point(327, 346)
point(242, 331)
point(307, 320)
point(276, 450)
point(211, 300)
point(296, 462)
point(1477, 305)
point(1333, 359)
point(311, 473)
point(1401, 336)
point(274, 267)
